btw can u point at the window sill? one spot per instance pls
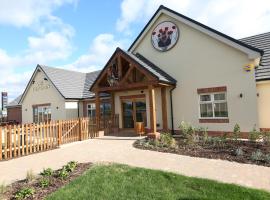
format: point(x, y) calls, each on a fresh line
point(214, 120)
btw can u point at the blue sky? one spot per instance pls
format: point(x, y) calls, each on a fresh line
point(81, 34)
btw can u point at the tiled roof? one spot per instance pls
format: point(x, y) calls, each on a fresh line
point(15, 102)
point(71, 84)
point(261, 41)
point(151, 67)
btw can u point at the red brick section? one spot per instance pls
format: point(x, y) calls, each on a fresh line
point(265, 129)
point(214, 120)
point(14, 114)
point(212, 89)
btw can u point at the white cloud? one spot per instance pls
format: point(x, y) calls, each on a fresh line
point(100, 51)
point(134, 11)
point(238, 18)
point(28, 12)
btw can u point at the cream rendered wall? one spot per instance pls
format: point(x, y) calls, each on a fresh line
point(263, 89)
point(50, 95)
point(118, 109)
point(199, 61)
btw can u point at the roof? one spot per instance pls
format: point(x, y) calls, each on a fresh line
point(15, 102)
point(154, 70)
point(261, 41)
point(206, 29)
point(70, 84)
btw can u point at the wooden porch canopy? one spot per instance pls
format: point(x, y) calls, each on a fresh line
point(126, 71)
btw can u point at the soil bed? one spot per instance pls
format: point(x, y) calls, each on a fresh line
point(225, 150)
point(55, 183)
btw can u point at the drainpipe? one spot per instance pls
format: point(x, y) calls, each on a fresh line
point(171, 100)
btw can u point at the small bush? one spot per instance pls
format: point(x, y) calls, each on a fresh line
point(239, 152)
point(187, 129)
point(266, 138)
point(30, 176)
point(254, 135)
point(267, 158)
point(236, 132)
point(24, 193)
point(257, 156)
point(166, 140)
point(47, 172)
point(63, 173)
point(71, 166)
point(44, 182)
point(3, 188)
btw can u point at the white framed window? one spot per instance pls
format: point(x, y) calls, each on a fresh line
point(42, 114)
point(91, 110)
point(213, 105)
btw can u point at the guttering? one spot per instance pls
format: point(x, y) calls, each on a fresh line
point(171, 101)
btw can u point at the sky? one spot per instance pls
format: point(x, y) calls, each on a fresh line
point(81, 34)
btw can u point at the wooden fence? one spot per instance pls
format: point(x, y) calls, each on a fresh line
point(20, 140)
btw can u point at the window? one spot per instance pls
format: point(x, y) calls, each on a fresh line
point(213, 105)
point(91, 110)
point(42, 114)
point(105, 109)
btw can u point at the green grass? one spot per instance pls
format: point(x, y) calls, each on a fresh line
point(124, 182)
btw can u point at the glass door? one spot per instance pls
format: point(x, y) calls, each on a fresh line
point(140, 107)
point(128, 114)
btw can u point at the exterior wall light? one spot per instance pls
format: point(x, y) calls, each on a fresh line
point(33, 82)
point(241, 95)
point(45, 79)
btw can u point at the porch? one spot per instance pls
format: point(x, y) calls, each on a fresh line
point(139, 93)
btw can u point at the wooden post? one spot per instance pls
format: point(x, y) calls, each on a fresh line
point(80, 130)
point(10, 141)
point(119, 64)
point(97, 100)
point(59, 132)
point(152, 106)
point(1, 135)
point(113, 103)
point(164, 108)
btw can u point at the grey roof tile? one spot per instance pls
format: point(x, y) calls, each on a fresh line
point(71, 84)
point(15, 102)
point(261, 41)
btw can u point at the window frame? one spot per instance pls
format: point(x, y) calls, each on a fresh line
point(212, 101)
point(45, 110)
point(91, 109)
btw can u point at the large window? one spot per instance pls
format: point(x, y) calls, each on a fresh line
point(213, 105)
point(105, 109)
point(42, 114)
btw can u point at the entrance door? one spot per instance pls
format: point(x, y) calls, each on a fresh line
point(134, 110)
point(128, 114)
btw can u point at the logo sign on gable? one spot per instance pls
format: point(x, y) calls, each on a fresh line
point(165, 36)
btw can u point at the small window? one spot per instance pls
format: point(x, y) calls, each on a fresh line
point(91, 110)
point(42, 114)
point(213, 105)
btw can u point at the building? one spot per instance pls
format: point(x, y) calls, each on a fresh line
point(14, 111)
point(4, 103)
point(177, 69)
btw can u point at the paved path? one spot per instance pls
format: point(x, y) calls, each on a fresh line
point(120, 150)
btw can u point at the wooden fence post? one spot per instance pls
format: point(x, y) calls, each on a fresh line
point(1, 135)
point(59, 132)
point(80, 129)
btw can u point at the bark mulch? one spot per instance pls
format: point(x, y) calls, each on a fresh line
point(41, 193)
point(225, 150)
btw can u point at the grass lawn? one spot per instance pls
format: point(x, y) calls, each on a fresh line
point(124, 182)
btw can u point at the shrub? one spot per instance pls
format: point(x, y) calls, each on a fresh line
point(189, 132)
point(236, 132)
point(3, 188)
point(254, 135)
point(44, 182)
point(267, 158)
point(47, 172)
point(24, 193)
point(71, 166)
point(166, 140)
point(204, 135)
point(266, 138)
point(63, 173)
point(239, 152)
point(257, 156)
point(30, 176)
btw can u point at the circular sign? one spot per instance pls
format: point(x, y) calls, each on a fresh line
point(165, 36)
